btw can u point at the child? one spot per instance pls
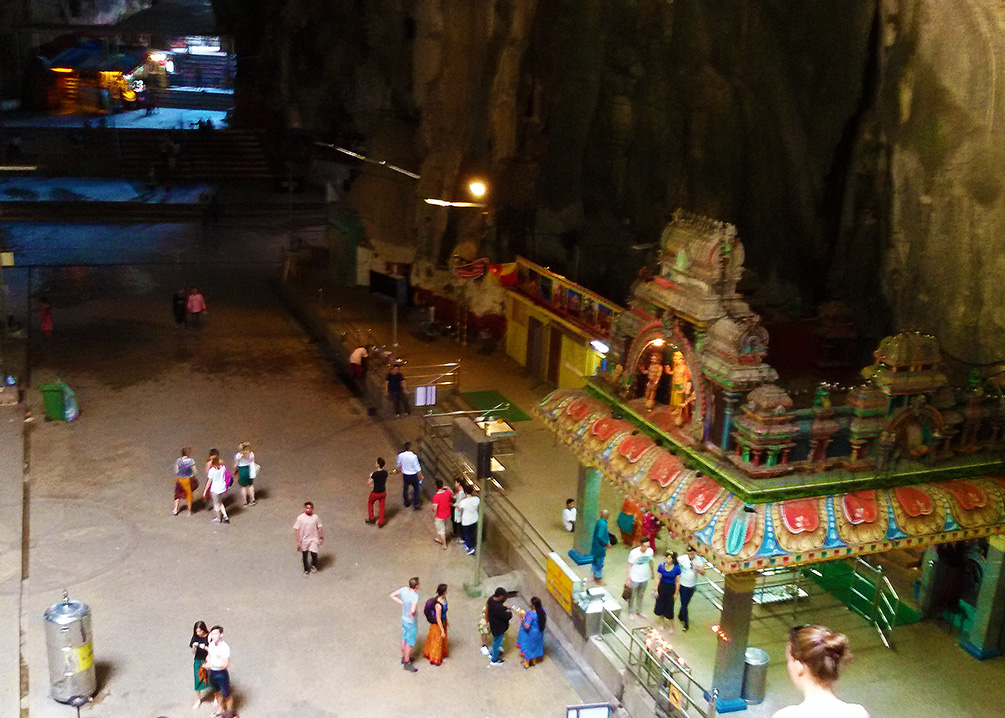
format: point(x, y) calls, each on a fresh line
point(569, 515)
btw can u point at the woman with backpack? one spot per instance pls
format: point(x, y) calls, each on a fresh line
point(435, 648)
point(218, 481)
point(530, 637)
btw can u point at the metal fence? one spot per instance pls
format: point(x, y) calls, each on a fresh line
point(658, 669)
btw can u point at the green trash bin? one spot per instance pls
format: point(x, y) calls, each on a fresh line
point(52, 394)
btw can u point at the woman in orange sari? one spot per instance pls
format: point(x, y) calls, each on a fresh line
point(435, 648)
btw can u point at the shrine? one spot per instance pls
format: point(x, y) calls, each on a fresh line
point(689, 420)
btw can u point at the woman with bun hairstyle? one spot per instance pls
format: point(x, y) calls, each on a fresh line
point(814, 656)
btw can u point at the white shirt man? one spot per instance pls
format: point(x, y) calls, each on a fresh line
point(569, 517)
point(469, 518)
point(408, 464)
point(218, 665)
point(691, 564)
point(640, 570)
point(358, 355)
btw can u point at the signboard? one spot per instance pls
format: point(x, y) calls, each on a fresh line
point(6, 259)
point(559, 580)
point(425, 395)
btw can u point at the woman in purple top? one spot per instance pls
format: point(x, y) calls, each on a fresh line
point(667, 588)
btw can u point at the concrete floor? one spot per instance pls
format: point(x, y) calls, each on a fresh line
point(101, 526)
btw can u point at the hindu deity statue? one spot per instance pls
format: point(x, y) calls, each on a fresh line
point(681, 389)
point(653, 375)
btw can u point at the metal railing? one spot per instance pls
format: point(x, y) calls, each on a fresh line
point(440, 461)
point(774, 586)
point(657, 668)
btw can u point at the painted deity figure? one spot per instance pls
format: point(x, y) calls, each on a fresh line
point(681, 389)
point(653, 375)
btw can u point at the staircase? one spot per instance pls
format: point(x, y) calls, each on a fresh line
point(203, 71)
point(212, 155)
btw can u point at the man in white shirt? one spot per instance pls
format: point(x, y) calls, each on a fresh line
point(691, 565)
point(218, 665)
point(640, 570)
point(411, 473)
point(469, 517)
point(569, 515)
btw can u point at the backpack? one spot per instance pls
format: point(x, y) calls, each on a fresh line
point(430, 610)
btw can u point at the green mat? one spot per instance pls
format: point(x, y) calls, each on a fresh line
point(491, 398)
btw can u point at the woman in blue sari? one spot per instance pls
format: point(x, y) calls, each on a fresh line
point(530, 638)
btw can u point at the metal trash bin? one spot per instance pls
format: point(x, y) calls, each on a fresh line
point(71, 653)
point(755, 674)
point(52, 394)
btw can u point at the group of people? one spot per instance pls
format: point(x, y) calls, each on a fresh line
point(211, 668)
point(219, 479)
point(460, 507)
point(495, 622)
point(189, 308)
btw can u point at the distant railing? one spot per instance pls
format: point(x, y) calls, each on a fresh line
point(774, 585)
point(657, 668)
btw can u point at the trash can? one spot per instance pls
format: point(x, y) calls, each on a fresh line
point(755, 673)
point(71, 653)
point(52, 394)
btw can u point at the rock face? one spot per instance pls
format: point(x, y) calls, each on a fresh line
point(853, 144)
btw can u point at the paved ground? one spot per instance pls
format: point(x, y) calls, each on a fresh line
point(101, 524)
point(165, 118)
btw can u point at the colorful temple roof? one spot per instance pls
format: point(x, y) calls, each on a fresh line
point(739, 536)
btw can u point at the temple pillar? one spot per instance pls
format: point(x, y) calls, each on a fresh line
point(987, 634)
point(587, 496)
point(730, 660)
point(931, 576)
point(730, 398)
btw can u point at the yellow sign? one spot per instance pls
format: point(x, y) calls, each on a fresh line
point(82, 657)
point(676, 697)
point(6, 259)
point(559, 580)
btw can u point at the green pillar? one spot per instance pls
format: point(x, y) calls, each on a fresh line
point(587, 498)
point(737, 606)
point(987, 634)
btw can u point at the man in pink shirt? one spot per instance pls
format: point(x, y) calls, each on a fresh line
point(442, 501)
point(309, 536)
point(195, 305)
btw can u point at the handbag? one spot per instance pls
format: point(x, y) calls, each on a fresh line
point(228, 479)
point(253, 470)
point(193, 483)
point(203, 674)
point(626, 594)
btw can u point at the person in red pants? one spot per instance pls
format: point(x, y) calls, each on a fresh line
point(378, 494)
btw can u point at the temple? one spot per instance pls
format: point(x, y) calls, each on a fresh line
point(688, 420)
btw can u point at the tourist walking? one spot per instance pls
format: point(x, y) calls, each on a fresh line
point(199, 646)
point(246, 471)
point(185, 481)
point(530, 637)
point(309, 535)
point(458, 496)
point(411, 474)
point(442, 501)
point(691, 566)
point(601, 542)
point(395, 390)
point(408, 598)
point(469, 506)
point(218, 664)
point(667, 588)
point(179, 307)
point(435, 647)
point(499, 617)
point(218, 481)
point(814, 657)
point(640, 570)
point(195, 306)
point(378, 493)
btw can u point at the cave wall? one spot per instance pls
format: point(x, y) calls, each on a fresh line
point(853, 144)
